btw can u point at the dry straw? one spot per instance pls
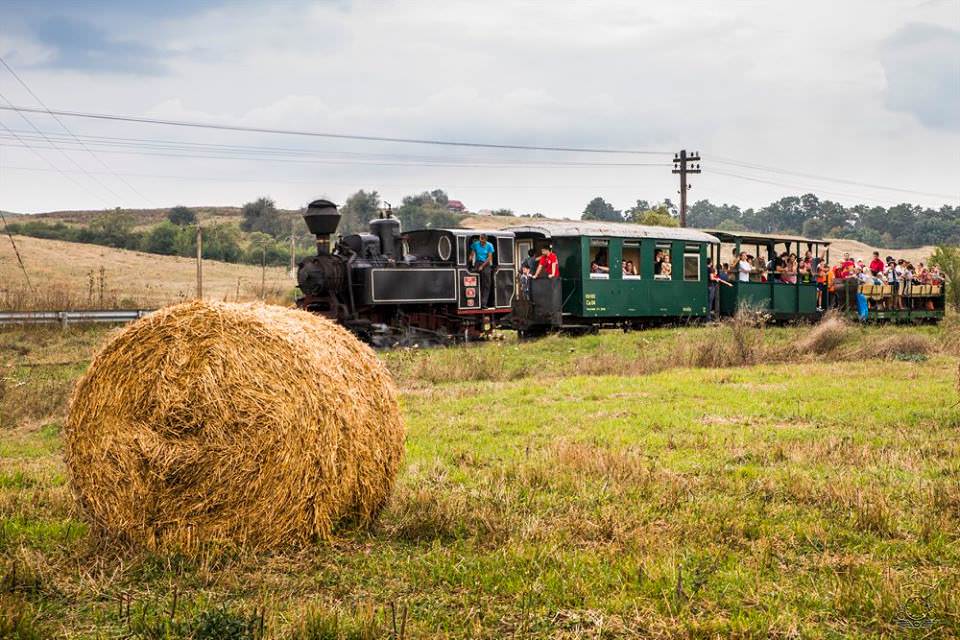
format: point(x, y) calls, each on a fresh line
point(254, 425)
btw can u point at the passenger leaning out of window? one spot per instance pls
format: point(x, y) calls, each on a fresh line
point(481, 255)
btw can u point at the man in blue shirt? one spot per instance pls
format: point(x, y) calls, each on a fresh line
point(481, 255)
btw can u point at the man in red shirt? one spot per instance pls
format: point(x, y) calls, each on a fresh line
point(847, 266)
point(548, 263)
point(876, 265)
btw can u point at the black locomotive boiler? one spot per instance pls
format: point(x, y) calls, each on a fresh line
point(391, 288)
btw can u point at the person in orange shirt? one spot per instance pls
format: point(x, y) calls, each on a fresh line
point(822, 272)
point(831, 287)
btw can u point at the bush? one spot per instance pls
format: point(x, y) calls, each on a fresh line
point(182, 216)
point(161, 239)
point(948, 259)
point(904, 346)
point(825, 337)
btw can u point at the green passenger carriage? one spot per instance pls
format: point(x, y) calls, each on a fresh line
point(764, 292)
point(609, 271)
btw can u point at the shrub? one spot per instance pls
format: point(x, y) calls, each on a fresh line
point(182, 216)
point(903, 346)
point(826, 336)
point(948, 259)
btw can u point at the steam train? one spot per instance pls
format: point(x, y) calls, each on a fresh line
point(392, 289)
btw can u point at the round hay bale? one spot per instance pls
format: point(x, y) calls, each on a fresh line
point(255, 425)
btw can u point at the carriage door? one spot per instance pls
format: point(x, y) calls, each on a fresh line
point(520, 249)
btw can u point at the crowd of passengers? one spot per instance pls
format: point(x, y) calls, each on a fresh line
point(899, 274)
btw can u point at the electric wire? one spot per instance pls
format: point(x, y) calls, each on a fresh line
point(319, 134)
point(64, 153)
point(68, 130)
point(172, 152)
point(760, 167)
point(806, 188)
point(52, 164)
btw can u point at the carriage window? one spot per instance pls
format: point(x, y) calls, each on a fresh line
point(662, 265)
point(631, 259)
point(691, 263)
point(599, 259)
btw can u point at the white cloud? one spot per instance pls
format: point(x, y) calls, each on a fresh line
point(808, 86)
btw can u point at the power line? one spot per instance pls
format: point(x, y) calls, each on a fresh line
point(65, 128)
point(51, 163)
point(62, 152)
point(318, 134)
point(154, 151)
point(248, 179)
point(760, 167)
point(17, 252)
point(802, 187)
point(154, 143)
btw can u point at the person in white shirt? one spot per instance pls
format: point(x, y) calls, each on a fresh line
point(743, 268)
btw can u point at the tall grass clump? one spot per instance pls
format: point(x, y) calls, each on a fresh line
point(899, 346)
point(825, 337)
point(736, 342)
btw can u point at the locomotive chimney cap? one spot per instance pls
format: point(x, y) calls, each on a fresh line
point(321, 217)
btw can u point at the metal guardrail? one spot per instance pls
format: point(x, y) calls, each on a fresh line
point(64, 318)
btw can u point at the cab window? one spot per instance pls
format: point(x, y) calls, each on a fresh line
point(631, 260)
point(600, 259)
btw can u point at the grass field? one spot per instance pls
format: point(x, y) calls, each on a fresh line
point(653, 484)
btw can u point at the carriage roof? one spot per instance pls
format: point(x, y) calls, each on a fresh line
point(750, 237)
point(576, 228)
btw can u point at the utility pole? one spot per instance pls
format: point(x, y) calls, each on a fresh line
point(199, 263)
point(680, 162)
point(263, 273)
point(293, 250)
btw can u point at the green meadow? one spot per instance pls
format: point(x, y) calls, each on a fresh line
point(702, 482)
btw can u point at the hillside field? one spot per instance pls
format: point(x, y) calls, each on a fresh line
point(68, 275)
point(661, 484)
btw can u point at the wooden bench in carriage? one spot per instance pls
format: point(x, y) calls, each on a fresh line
point(923, 303)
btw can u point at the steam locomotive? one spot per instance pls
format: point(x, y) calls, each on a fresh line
point(392, 289)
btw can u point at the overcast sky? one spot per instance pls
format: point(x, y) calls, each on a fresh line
point(865, 91)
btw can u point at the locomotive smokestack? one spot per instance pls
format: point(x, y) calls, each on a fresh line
point(322, 219)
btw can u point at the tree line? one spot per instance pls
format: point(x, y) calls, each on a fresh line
point(901, 226)
point(262, 236)
point(263, 233)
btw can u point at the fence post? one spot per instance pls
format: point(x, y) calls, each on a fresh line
point(62, 315)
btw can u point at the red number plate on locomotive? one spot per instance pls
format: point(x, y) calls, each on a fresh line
point(470, 281)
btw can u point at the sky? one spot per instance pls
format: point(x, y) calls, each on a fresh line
point(857, 101)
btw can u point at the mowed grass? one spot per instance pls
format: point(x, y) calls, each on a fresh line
point(595, 487)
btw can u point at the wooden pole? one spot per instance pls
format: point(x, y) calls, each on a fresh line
point(199, 263)
point(263, 273)
point(293, 251)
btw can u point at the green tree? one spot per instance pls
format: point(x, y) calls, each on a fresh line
point(504, 212)
point(222, 242)
point(948, 259)
point(659, 217)
point(114, 229)
point(600, 209)
point(161, 239)
point(182, 216)
point(427, 210)
point(262, 215)
point(358, 211)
